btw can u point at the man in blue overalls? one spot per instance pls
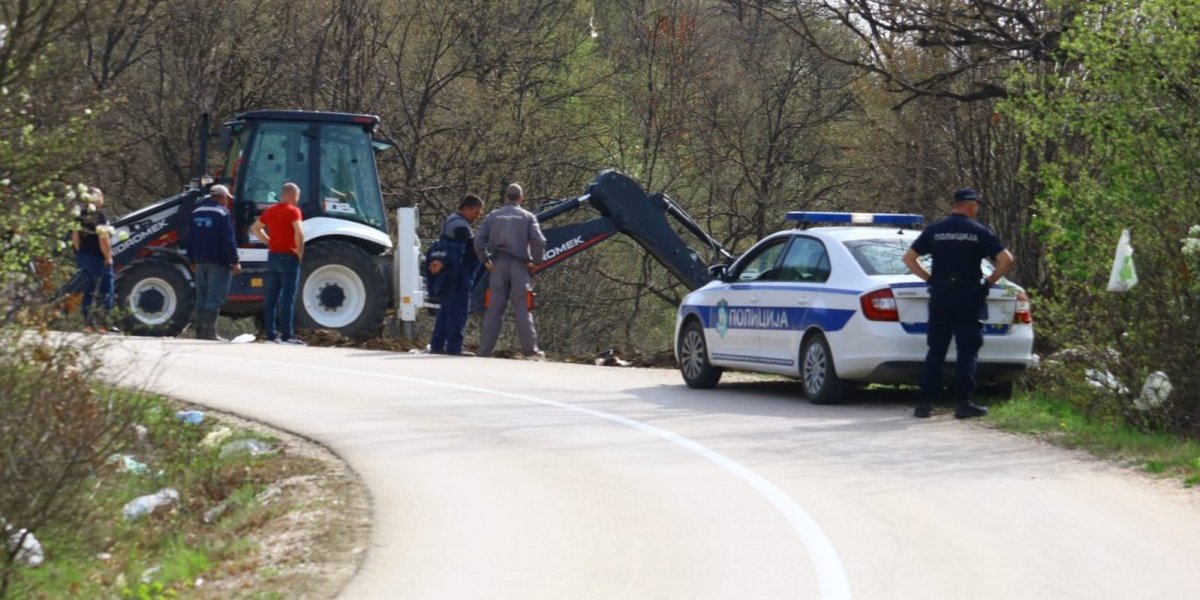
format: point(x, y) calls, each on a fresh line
point(456, 278)
point(213, 254)
point(957, 296)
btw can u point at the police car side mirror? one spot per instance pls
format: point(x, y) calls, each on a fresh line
point(719, 272)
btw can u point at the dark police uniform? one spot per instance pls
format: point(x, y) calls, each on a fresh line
point(957, 294)
point(454, 294)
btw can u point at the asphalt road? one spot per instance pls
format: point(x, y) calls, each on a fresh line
point(499, 479)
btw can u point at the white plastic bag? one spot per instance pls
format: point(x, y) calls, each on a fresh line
point(1123, 275)
point(145, 505)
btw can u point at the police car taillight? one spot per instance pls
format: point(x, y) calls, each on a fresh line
point(1024, 312)
point(880, 305)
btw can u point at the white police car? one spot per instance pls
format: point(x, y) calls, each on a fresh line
point(836, 305)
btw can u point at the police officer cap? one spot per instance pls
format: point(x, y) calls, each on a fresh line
point(965, 194)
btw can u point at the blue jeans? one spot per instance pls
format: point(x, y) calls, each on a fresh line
point(451, 319)
point(283, 276)
point(212, 286)
point(98, 279)
point(956, 318)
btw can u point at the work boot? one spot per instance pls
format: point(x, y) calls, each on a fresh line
point(923, 410)
point(967, 410)
point(205, 327)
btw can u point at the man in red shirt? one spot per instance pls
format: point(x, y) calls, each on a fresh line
point(284, 237)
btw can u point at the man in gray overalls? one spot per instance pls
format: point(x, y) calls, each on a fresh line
point(510, 244)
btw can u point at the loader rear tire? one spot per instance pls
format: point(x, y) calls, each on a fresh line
point(342, 288)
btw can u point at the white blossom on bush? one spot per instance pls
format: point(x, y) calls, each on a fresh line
point(1191, 244)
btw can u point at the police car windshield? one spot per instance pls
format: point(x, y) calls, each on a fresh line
point(886, 257)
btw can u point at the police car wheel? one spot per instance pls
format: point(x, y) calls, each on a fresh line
point(693, 358)
point(817, 373)
point(154, 298)
point(342, 288)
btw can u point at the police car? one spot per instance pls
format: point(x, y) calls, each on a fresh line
point(833, 306)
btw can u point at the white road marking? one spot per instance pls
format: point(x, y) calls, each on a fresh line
point(827, 566)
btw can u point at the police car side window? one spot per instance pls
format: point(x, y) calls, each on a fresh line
point(805, 260)
point(763, 265)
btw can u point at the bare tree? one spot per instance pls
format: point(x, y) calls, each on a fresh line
point(116, 40)
point(973, 37)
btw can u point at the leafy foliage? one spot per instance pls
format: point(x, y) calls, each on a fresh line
point(1123, 127)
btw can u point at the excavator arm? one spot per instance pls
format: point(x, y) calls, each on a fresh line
point(624, 207)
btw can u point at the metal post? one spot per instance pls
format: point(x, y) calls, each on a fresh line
point(406, 274)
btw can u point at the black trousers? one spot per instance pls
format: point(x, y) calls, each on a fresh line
point(953, 315)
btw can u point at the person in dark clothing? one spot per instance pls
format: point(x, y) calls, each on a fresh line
point(93, 256)
point(957, 295)
point(456, 277)
point(212, 252)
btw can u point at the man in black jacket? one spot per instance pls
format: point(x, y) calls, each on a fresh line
point(212, 250)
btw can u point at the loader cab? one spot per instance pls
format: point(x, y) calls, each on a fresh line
point(329, 155)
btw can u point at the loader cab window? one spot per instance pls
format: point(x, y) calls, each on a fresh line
point(233, 154)
point(348, 187)
point(280, 153)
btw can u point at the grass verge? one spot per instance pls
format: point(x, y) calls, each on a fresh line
point(1062, 423)
point(245, 526)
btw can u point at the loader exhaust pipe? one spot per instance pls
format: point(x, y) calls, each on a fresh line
point(202, 160)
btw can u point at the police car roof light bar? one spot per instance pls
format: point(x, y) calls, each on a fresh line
point(900, 219)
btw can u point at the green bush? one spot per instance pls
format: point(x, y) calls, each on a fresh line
point(57, 430)
point(1120, 135)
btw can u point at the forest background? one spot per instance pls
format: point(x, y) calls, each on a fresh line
point(1074, 119)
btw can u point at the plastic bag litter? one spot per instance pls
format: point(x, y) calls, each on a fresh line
point(250, 447)
point(129, 464)
point(245, 338)
point(146, 505)
point(191, 417)
point(143, 434)
point(1104, 380)
point(149, 574)
point(1123, 275)
point(30, 553)
point(215, 437)
point(1155, 391)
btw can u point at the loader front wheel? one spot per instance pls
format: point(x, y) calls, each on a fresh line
point(155, 298)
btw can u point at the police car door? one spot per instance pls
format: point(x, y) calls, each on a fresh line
point(790, 301)
point(738, 307)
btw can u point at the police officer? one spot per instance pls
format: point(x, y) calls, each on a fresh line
point(957, 294)
point(457, 276)
point(510, 244)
